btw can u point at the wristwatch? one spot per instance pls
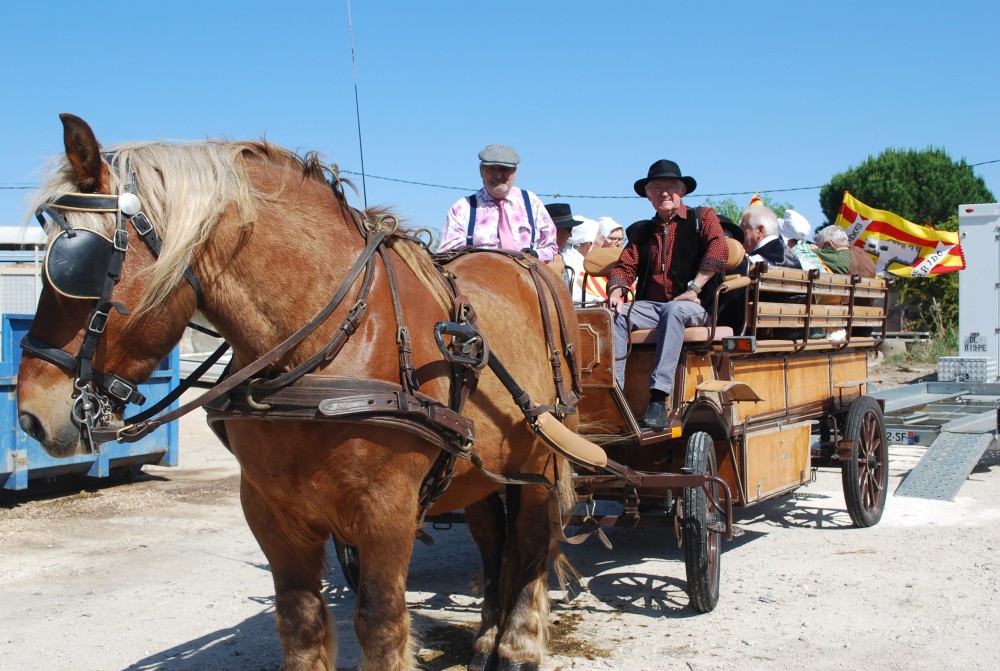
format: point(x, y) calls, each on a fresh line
point(693, 286)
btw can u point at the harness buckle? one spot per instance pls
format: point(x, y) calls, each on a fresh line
point(142, 224)
point(121, 240)
point(98, 322)
point(122, 390)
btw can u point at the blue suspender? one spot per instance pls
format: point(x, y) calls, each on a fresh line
point(531, 217)
point(472, 218)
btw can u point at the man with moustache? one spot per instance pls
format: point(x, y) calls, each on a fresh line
point(500, 215)
point(675, 259)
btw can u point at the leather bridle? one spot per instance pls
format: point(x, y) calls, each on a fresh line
point(97, 394)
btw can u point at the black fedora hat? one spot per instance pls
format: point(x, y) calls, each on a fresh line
point(664, 169)
point(730, 228)
point(561, 215)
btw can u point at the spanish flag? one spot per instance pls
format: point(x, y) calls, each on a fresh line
point(900, 247)
point(755, 200)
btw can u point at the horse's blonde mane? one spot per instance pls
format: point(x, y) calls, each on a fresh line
point(184, 189)
point(419, 261)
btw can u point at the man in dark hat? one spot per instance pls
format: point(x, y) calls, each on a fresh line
point(500, 215)
point(730, 228)
point(562, 217)
point(675, 259)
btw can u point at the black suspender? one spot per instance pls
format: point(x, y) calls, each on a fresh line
point(472, 217)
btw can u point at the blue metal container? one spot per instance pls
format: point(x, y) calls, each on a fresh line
point(22, 459)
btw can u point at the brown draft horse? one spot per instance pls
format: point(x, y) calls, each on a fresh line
point(269, 240)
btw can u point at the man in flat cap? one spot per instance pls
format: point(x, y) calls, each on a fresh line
point(674, 259)
point(500, 215)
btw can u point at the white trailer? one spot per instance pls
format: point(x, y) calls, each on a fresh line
point(957, 416)
point(978, 298)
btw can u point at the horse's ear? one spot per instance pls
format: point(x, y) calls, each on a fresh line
point(83, 152)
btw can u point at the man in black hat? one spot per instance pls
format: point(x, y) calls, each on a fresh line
point(562, 217)
point(675, 259)
point(500, 215)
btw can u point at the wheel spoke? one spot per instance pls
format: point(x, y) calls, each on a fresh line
point(864, 474)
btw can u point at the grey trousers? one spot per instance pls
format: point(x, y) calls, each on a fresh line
point(670, 319)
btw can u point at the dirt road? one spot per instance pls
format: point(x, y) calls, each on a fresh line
point(163, 574)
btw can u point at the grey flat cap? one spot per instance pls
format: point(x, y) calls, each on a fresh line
point(499, 154)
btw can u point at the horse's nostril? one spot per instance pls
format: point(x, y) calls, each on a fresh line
point(31, 425)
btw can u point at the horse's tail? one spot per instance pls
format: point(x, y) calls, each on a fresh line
point(567, 576)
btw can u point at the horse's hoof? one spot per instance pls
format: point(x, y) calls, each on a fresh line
point(517, 666)
point(482, 661)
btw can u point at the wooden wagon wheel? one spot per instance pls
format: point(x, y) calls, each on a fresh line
point(865, 472)
point(702, 545)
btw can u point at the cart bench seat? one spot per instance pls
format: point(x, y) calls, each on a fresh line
point(692, 334)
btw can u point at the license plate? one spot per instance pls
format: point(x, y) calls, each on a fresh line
point(900, 437)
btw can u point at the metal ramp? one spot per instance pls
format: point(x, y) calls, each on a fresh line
point(957, 421)
point(945, 466)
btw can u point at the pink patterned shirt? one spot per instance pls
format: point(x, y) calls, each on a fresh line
point(485, 233)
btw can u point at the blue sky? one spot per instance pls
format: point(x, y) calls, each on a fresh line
point(744, 96)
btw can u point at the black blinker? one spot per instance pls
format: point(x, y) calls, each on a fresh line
point(77, 266)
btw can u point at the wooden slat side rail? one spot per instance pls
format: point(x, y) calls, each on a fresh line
point(792, 315)
point(823, 301)
point(818, 344)
point(796, 281)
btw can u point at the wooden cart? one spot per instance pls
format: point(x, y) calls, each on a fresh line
point(743, 414)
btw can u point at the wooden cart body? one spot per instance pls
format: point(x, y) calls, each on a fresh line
point(760, 407)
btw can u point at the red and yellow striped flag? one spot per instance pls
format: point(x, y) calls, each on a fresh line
point(755, 200)
point(900, 247)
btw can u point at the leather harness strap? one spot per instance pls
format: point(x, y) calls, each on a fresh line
point(343, 399)
point(567, 398)
point(133, 432)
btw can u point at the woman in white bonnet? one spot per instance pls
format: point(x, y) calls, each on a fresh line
point(580, 241)
point(611, 233)
point(795, 229)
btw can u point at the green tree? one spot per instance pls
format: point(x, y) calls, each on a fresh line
point(925, 187)
point(731, 209)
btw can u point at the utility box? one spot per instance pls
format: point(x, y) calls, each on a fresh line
point(978, 295)
point(966, 369)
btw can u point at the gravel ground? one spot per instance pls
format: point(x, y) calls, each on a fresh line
point(162, 573)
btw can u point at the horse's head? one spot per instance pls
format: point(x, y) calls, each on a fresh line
point(89, 346)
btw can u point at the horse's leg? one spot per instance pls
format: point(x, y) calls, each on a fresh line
point(524, 580)
point(297, 562)
point(486, 521)
point(381, 619)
